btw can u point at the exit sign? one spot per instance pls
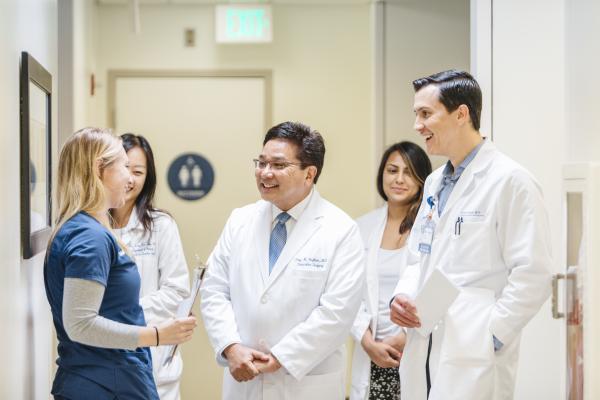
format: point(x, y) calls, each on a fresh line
point(243, 23)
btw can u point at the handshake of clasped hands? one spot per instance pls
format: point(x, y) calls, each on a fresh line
point(246, 363)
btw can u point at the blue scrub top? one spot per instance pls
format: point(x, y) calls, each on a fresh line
point(83, 248)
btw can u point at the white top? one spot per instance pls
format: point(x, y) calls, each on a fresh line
point(164, 280)
point(390, 265)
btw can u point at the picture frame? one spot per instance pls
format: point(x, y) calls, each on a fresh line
point(36, 156)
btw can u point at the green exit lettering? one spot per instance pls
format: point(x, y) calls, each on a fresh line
point(246, 23)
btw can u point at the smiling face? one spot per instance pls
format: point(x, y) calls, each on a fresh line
point(287, 184)
point(435, 124)
point(138, 169)
point(116, 180)
point(399, 184)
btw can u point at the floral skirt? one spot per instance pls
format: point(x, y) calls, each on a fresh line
point(385, 383)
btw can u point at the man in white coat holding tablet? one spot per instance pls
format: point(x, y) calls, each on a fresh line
point(483, 224)
point(284, 281)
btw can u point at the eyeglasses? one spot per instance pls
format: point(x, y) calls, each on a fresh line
point(275, 165)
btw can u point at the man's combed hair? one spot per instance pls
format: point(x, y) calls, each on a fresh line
point(311, 147)
point(456, 88)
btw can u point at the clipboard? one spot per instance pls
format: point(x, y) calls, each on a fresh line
point(185, 307)
point(433, 300)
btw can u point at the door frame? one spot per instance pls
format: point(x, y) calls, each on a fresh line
point(114, 74)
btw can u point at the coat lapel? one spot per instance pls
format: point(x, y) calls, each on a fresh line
point(262, 234)
point(469, 176)
point(432, 191)
point(305, 228)
point(372, 278)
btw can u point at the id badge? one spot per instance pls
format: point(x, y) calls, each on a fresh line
point(427, 228)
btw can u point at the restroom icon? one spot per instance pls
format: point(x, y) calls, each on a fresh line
point(190, 176)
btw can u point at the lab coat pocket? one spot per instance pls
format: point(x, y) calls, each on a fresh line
point(466, 366)
point(309, 281)
point(302, 274)
point(467, 337)
point(328, 386)
point(470, 246)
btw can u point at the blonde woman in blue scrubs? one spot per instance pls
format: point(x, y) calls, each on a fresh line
point(92, 284)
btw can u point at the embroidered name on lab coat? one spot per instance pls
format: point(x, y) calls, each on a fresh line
point(310, 263)
point(472, 216)
point(143, 249)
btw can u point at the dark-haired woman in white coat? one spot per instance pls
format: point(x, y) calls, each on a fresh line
point(153, 239)
point(379, 342)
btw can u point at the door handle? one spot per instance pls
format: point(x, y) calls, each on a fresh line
point(555, 313)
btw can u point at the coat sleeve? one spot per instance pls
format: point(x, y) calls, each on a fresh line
point(215, 305)
point(361, 323)
point(409, 281)
point(328, 325)
point(524, 238)
point(173, 276)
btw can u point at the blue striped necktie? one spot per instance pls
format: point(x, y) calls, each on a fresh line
point(278, 239)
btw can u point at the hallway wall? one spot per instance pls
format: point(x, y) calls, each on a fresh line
point(26, 334)
point(529, 126)
point(321, 73)
point(582, 59)
point(413, 50)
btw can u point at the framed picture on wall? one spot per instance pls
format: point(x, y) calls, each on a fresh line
point(36, 160)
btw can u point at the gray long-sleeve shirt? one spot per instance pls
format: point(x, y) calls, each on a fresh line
point(81, 303)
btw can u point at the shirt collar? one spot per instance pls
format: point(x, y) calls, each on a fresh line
point(296, 211)
point(455, 174)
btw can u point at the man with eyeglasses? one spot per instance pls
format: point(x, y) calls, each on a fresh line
point(285, 280)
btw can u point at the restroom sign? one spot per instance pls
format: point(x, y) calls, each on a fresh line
point(190, 176)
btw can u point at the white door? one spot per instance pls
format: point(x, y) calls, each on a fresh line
point(222, 119)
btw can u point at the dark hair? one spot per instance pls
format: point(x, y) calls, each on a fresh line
point(311, 147)
point(418, 164)
point(456, 88)
point(144, 201)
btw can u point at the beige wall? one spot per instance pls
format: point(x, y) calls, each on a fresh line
point(321, 73)
point(421, 37)
point(26, 334)
point(77, 59)
point(545, 104)
point(529, 126)
point(321, 64)
point(582, 80)
point(84, 62)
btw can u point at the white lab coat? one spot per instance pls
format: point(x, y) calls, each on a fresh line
point(164, 284)
point(302, 312)
point(371, 226)
point(499, 261)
